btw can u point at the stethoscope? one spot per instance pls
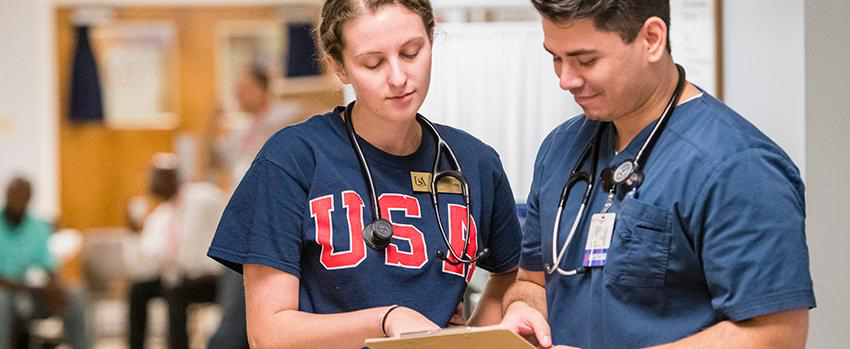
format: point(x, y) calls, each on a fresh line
point(628, 175)
point(378, 233)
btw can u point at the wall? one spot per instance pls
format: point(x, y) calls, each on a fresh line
point(827, 165)
point(763, 68)
point(28, 133)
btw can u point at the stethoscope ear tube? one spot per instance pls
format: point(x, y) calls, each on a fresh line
point(629, 174)
point(364, 167)
point(457, 175)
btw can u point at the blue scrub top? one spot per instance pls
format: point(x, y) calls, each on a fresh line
point(715, 232)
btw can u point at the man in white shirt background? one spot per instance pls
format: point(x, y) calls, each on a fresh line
point(172, 261)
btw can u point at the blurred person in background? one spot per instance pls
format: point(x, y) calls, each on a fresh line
point(29, 286)
point(234, 154)
point(172, 261)
point(235, 150)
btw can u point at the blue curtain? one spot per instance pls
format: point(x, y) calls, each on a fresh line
point(85, 96)
point(302, 57)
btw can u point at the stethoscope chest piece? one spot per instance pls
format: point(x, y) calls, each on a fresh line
point(377, 234)
point(624, 171)
point(626, 175)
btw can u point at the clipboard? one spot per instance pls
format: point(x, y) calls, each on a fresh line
point(457, 337)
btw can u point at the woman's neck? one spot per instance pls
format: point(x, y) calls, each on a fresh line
point(394, 137)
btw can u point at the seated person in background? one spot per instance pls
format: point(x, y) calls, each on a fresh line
point(172, 261)
point(29, 287)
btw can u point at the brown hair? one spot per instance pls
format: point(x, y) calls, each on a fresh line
point(624, 17)
point(336, 13)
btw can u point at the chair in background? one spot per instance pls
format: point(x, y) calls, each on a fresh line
point(106, 279)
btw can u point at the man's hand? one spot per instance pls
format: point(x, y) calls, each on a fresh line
point(404, 320)
point(54, 295)
point(10, 285)
point(529, 323)
point(458, 319)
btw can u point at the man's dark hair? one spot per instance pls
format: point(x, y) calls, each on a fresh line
point(624, 17)
point(18, 194)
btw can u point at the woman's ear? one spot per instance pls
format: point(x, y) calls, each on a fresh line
point(338, 69)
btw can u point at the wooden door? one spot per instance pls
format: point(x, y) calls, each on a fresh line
point(102, 167)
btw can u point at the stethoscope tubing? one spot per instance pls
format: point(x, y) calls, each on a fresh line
point(436, 175)
point(577, 175)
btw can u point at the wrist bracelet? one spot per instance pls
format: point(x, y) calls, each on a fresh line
point(384, 320)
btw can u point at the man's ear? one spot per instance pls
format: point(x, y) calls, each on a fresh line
point(653, 35)
point(338, 69)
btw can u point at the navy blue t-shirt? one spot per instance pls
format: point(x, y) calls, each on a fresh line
point(715, 232)
point(303, 203)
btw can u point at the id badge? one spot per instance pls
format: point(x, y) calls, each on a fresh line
point(599, 239)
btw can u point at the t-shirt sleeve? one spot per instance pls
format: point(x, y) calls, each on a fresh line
point(751, 213)
point(505, 236)
point(44, 258)
point(263, 220)
point(531, 256)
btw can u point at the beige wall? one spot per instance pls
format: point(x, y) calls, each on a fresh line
point(828, 166)
point(28, 135)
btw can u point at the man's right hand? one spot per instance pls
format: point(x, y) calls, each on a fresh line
point(10, 285)
point(53, 294)
point(529, 323)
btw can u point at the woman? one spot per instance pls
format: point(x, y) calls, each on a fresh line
point(295, 225)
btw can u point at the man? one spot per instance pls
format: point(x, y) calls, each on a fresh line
point(237, 149)
point(235, 154)
point(702, 246)
point(173, 253)
point(29, 286)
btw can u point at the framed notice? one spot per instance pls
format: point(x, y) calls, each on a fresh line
point(696, 38)
point(138, 65)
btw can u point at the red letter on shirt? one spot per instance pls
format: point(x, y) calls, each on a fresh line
point(457, 222)
point(321, 209)
point(417, 257)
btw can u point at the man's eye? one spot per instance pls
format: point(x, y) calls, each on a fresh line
point(588, 62)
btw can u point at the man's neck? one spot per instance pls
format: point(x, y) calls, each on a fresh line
point(650, 110)
point(12, 220)
point(259, 113)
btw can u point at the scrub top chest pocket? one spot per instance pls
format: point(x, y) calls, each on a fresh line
point(640, 248)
